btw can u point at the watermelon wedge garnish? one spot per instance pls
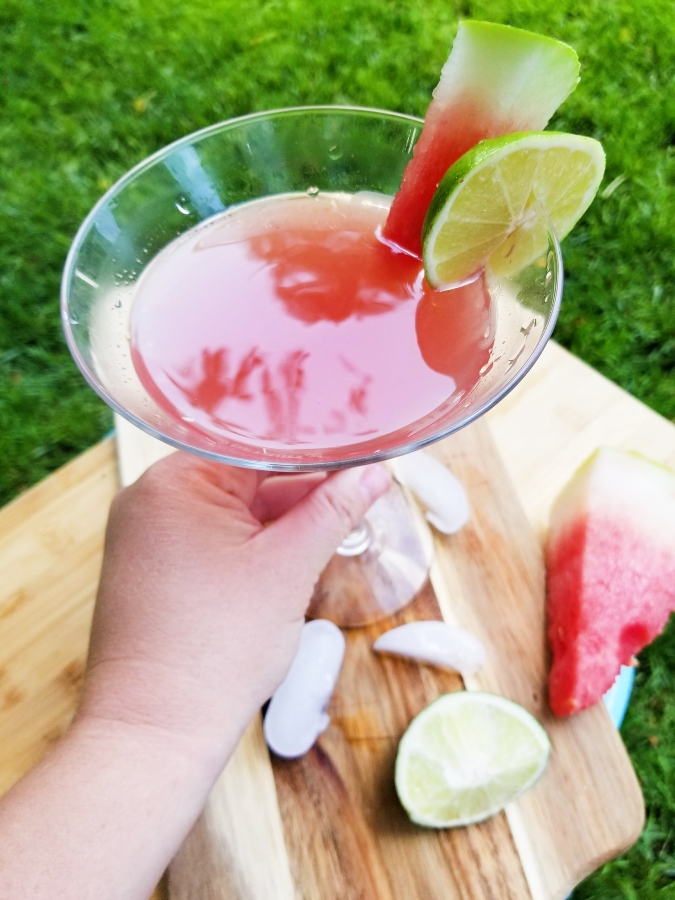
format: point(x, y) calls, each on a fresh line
point(497, 80)
point(610, 572)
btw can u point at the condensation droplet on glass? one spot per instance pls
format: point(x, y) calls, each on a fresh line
point(118, 305)
point(487, 367)
point(312, 191)
point(549, 277)
point(73, 320)
point(334, 152)
point(182, 209)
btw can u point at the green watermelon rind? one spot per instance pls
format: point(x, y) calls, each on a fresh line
point(568, 500)
point(483, 56)
point(513, 80)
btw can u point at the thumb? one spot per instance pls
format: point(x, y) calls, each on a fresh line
point(313, 529)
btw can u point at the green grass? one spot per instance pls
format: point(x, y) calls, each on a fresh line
point(89, 88)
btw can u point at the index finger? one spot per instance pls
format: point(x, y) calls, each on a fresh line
point(213, 481)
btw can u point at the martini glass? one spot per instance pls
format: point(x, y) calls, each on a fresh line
point(383, 563)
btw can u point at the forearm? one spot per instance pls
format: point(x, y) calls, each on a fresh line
point(101, 816)
point(198, 617)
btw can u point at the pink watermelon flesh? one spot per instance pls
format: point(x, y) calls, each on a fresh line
point(610, 573)
point(497, 80)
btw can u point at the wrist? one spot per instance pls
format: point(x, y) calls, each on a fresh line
point(155, 708)
point(90, 807)
point(143, 751)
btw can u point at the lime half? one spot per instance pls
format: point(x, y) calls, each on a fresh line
point(466, 756)
point(493, 205)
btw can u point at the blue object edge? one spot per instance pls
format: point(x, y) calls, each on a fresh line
point(617, 697)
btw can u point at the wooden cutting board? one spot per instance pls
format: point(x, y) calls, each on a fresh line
point(345, 833)
point(329, 825)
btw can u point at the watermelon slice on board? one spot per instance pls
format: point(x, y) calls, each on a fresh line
point(610, 562)
point(497, 80)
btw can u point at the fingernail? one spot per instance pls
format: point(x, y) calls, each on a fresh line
point(374, 481)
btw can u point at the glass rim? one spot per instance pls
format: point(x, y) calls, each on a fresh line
point(276, 466)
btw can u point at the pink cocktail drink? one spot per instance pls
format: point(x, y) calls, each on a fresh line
point(288, 322)
point(221, 303)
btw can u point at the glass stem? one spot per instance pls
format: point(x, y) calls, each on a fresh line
point(357, 541)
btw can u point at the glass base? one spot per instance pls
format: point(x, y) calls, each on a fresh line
point(378, 569)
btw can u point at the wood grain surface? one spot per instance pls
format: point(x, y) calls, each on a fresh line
point(490, 579)
point(346, 833)
point(51, 545)
point(50, 552)
point(237, 849)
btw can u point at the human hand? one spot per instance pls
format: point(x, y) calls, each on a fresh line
point(200, 607)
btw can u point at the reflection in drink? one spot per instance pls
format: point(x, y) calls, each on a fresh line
point(213, 384)
point(289, 323)
point(208, 385)
point(328, 277)
point(447, 322)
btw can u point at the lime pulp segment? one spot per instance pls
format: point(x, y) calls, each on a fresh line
point(466, 756)
point(496, 204)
